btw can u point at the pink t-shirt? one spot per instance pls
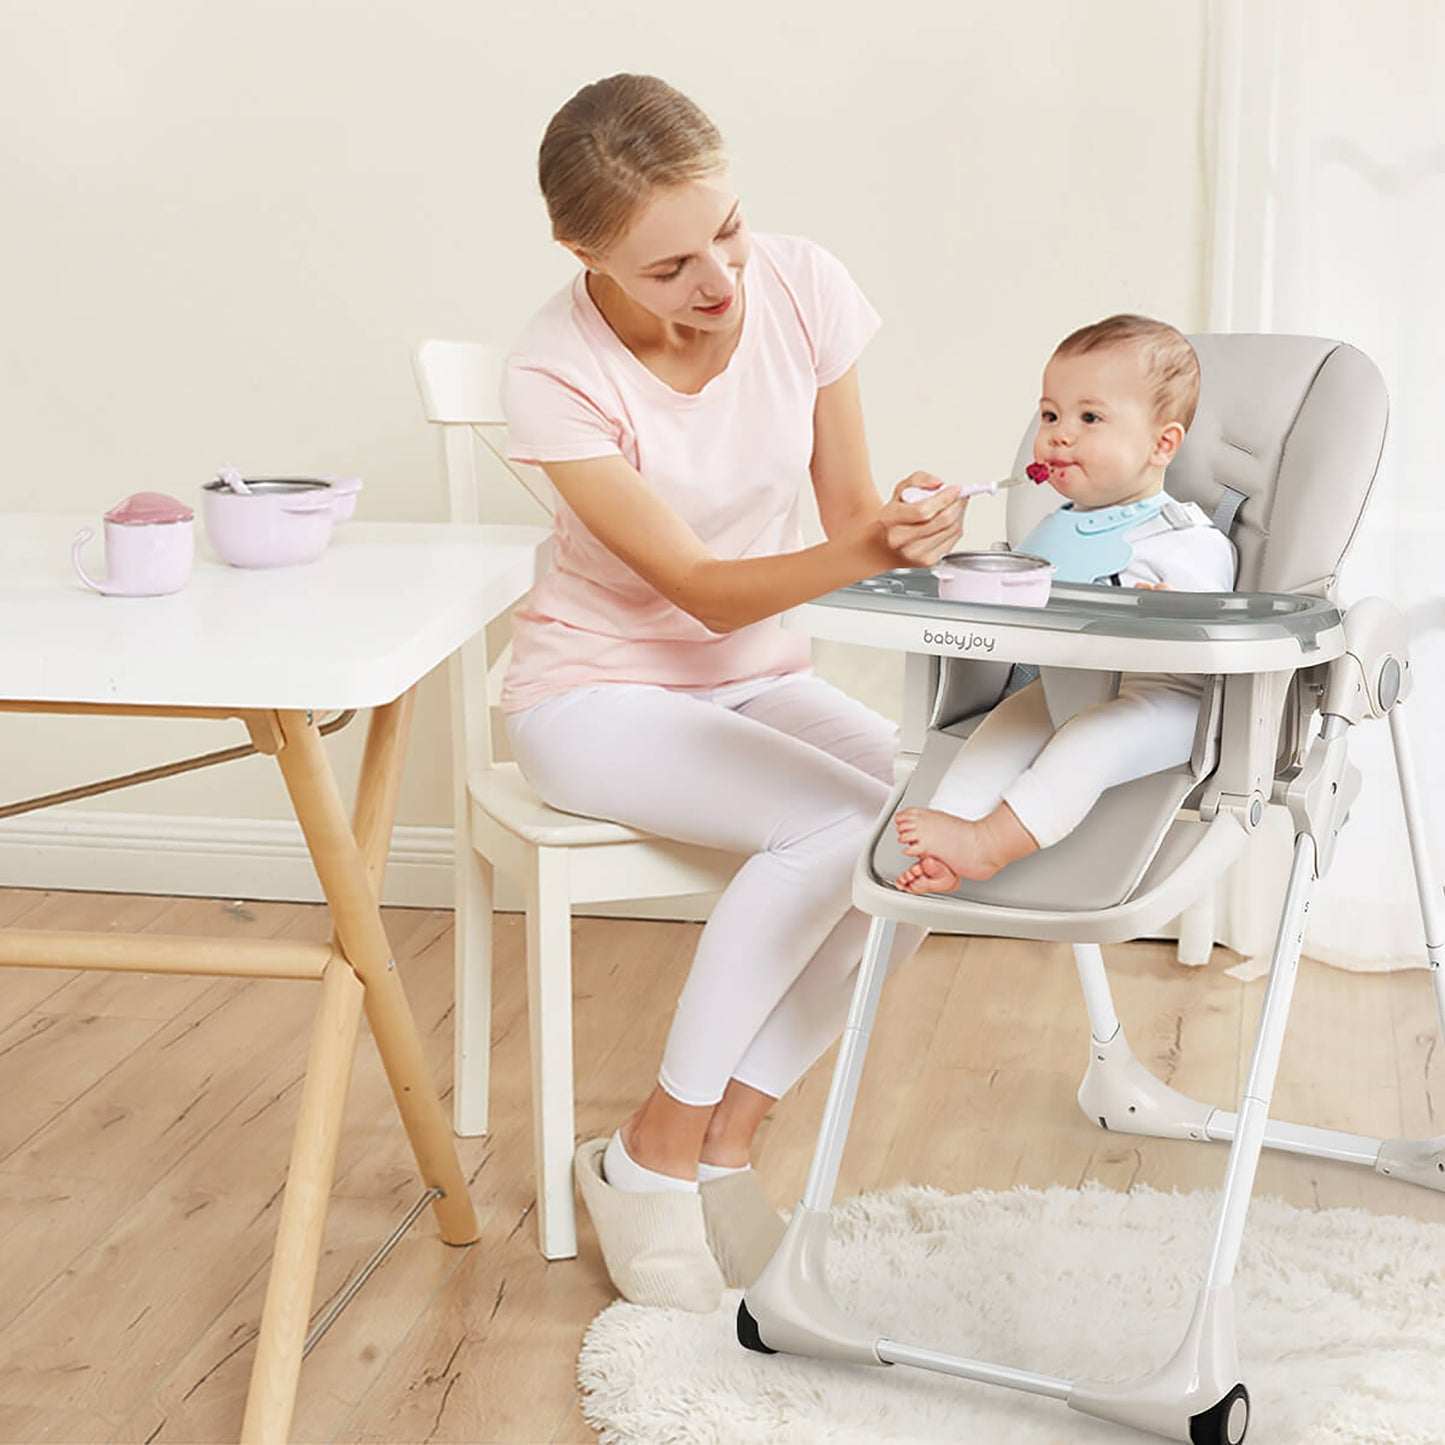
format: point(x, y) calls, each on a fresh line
point(731, 461)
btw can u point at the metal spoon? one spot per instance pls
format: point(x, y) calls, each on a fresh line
point(917, 494)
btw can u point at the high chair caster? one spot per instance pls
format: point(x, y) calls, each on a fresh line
point(748, 1336)
point(1225, 1423)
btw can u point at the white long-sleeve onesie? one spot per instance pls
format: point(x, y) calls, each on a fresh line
point(1050, 777)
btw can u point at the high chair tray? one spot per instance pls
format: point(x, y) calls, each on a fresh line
point(1112, 629)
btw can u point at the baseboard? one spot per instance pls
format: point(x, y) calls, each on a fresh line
point(160, 853)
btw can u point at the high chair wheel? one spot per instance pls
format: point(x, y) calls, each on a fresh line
point(1224, 1423)
point(748, 1336)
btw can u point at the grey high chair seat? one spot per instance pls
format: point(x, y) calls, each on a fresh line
point(1283, 453)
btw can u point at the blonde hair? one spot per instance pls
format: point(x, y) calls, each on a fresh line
point(611, 146)
point(1170, 364)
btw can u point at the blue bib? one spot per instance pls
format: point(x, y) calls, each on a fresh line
point(1090, 546)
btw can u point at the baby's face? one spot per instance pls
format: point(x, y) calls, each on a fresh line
point(1097, 432)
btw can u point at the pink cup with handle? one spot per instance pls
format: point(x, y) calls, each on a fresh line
point(150, 545)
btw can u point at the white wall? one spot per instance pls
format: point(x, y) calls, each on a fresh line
point(225, 227)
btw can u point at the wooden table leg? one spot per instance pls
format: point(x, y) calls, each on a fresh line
point(271, 1398)
point(342, 865)
point(379, 784)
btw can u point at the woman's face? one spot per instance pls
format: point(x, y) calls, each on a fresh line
point(682, 259)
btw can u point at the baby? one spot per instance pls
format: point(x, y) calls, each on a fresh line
point(1118, 398)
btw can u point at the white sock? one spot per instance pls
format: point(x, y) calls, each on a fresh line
point(706, 1173)
point(623, 1172)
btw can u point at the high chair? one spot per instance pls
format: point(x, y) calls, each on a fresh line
point(1283, 452)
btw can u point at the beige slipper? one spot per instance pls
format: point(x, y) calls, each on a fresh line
point(654, 1245)
point(743, 1228)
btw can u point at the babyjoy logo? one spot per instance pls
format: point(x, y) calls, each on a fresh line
point(963, 641)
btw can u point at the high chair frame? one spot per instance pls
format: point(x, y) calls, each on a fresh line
point(1276, 660)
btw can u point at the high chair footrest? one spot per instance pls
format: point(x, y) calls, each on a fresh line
point(1189, 856)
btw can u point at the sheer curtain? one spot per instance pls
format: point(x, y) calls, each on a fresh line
point(1327, 123)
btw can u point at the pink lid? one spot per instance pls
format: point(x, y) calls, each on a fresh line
point(147, 507)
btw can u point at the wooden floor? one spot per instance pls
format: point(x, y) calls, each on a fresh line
point(145, 1126)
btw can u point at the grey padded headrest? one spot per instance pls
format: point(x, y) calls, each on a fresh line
point(1295, 423)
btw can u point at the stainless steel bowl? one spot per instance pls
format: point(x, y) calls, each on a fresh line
point(1011, 579)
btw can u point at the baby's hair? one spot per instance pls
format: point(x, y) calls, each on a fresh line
point(611, 146)
point(1169, 360)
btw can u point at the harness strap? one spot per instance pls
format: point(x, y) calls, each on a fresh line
point(1022, 675)
point(1227, 510)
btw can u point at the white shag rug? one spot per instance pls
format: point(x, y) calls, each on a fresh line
point(1341, 1326)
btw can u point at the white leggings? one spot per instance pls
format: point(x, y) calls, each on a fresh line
point(1050, 776)
point(788, 771)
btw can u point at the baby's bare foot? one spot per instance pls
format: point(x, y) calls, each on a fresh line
point(922, 830)
point(928, 875)
point(906, 822)
point(940, 835)
point(975, 850)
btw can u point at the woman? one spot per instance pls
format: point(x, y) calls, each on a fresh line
point(677, 394)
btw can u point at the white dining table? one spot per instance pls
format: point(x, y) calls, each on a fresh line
point(277, 650)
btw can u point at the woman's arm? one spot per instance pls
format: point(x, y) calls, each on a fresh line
point(842, 475)
point(631, 521)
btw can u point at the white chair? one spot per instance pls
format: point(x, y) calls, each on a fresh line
point(560, 860)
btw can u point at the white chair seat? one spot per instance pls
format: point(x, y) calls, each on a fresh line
point(502, 793)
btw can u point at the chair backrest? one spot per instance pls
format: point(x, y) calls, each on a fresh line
point(1293, 425)
point(460, 384)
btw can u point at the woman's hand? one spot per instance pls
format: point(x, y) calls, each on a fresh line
point(922, 521)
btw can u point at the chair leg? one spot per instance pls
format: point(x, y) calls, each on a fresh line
point(472, 1014)
point(1264, 1065)
point(1196, 931)
point(1201, 1381)
point(788, 1307)
point(1427, 884)
point(848, 1070)
point(1103, 1021)
point(549, 1010)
